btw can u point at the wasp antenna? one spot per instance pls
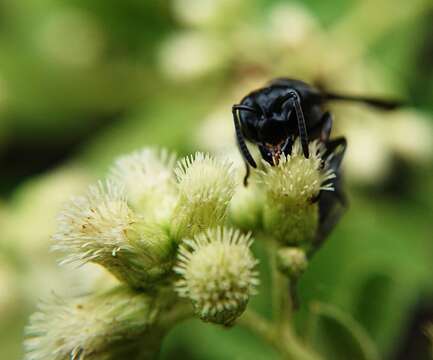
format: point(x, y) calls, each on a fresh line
point(245, 107)
point(302, 128)
point(239, 136)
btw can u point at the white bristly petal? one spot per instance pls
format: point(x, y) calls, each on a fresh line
point(149, 182)
point(290, 213)
point(206, 186)
point(92, 327)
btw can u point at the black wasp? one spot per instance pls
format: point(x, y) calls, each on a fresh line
point(274, 116)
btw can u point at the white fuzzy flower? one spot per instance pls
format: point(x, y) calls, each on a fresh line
point(104, 326)
point(100, 227)
point(206, 186)
point(296, 177)
point(149, 181)
point(218, 275)
point(290, 186)
point(95, 225)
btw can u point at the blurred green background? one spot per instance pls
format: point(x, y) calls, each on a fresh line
point(84, 81)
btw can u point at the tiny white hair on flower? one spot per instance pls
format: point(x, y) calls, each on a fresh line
point(298, 177)
point(291, 185)
point(148, 178)
point(207, 173)
point(92, 327)
point(206, 185)
point(94, 225)
point(100, 227)
point(218, 273)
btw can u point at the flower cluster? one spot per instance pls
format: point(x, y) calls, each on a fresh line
point(283, 199)
point(161, 227)
point(131, 224)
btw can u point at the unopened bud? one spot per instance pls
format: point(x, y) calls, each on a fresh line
point(292, 261)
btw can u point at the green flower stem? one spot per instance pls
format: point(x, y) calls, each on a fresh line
point(152, 342)
point(278, 283)
point(279, 333)
point(364, 341)
point(284, 298)
point(261, 327)
point(181, 311)
point(283, 341)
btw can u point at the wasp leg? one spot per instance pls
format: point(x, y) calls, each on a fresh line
point(325, 131)
point(247, 174)
point(331, 210)
point(337, 148)
point(240, 138)
point(328, 199)
point(287, 147)
point(241, 142)
point(322, 130)
point(332, 204)
point(302, 127)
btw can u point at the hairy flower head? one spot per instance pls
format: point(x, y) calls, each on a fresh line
point(104, 326)
point(218, 274)
point(147, 176)
point(297, 178)
point(206, 186)
point(291, 186)
point(100, 227)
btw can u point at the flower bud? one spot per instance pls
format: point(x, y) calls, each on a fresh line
point(148, 178)
point(218, 274)
point(292, 261)
point(246, 207)
point(110, 325)
point(100, 227)
point(290, 213)
point(206, 186)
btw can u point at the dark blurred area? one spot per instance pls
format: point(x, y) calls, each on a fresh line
point(83, 82)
